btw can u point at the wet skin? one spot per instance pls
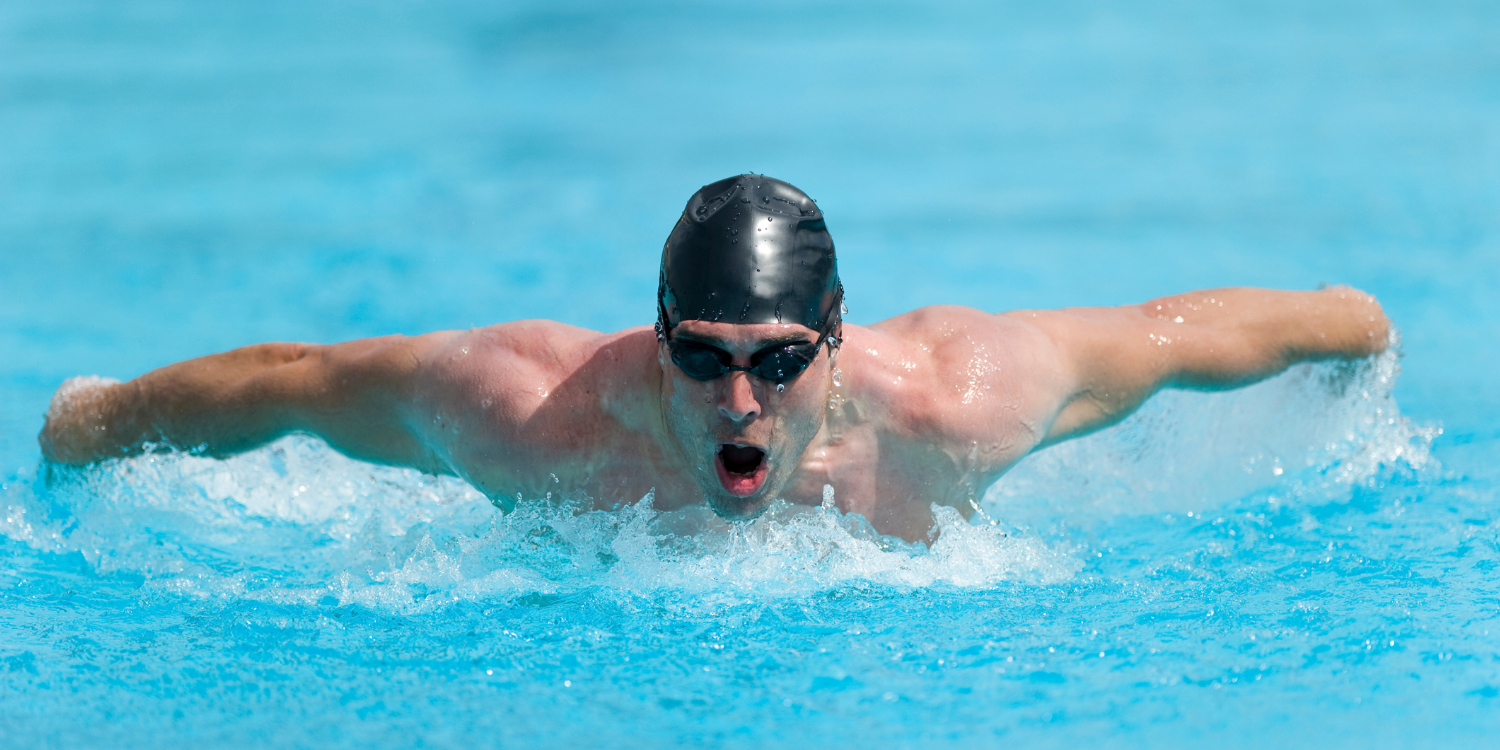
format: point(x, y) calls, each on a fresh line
point(931, 406)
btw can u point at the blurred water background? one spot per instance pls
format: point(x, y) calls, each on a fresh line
point(1303, 562)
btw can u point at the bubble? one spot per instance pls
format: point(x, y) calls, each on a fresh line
point(781, 387)
point(838, 376)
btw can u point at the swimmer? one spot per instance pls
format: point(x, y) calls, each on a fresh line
point(750, 387)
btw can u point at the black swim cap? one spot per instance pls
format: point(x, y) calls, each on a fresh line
point(750, 249)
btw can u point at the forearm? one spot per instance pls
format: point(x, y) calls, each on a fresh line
point(1113, 359)
point(223, 403)
point(1230, 337)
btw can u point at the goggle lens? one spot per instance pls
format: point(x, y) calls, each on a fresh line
point(700, 362)
point(777, 365)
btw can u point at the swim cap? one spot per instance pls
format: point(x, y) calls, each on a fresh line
point(749, 249)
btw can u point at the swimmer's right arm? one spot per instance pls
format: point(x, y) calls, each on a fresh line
point(354, 395)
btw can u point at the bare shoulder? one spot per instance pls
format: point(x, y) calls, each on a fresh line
point(959, 375)
point(513, 393)
point(950, 332)
point(520, 365)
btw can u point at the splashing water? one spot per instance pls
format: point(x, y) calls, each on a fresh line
point(1316, 431)
point(1282, 565)
point(296, 522)
point(1101, 554)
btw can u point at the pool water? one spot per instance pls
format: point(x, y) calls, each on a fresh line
point(1309, 561)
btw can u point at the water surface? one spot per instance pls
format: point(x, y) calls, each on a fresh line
point(1309, 561)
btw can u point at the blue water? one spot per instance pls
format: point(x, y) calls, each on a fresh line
point(1310, 562)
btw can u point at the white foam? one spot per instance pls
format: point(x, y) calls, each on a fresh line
point(296, 522)
point(1316, 429)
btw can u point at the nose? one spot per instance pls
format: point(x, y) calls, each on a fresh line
point(737, 400)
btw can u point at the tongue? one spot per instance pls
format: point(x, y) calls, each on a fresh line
point(742, 461)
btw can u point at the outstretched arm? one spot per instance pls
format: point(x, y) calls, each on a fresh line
point(1113, 359)
point(354, 395)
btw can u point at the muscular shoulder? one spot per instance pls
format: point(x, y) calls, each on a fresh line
point(530, 352)
point(525, 363)
point(960, 376)
point(536, 384)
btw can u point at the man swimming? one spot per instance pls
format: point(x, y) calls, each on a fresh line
point(749, 388)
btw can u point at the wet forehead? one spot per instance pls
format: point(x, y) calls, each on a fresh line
point(746, 337)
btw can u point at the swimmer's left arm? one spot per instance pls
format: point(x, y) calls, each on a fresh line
point(1112, 359)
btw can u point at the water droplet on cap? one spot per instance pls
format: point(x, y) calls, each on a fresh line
point(843, 309)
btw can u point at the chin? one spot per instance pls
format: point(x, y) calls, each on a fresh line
point(739, 508)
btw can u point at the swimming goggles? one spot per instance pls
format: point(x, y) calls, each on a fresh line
point(779, 363)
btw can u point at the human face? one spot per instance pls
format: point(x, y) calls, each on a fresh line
point(743, 435)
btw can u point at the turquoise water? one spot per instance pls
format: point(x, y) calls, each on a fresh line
point(1310, 561)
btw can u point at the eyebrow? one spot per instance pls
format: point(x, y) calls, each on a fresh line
point(761, 345)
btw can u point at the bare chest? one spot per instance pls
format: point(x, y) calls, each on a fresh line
point(891, 482)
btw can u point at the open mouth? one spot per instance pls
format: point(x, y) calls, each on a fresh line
point(742, 469)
